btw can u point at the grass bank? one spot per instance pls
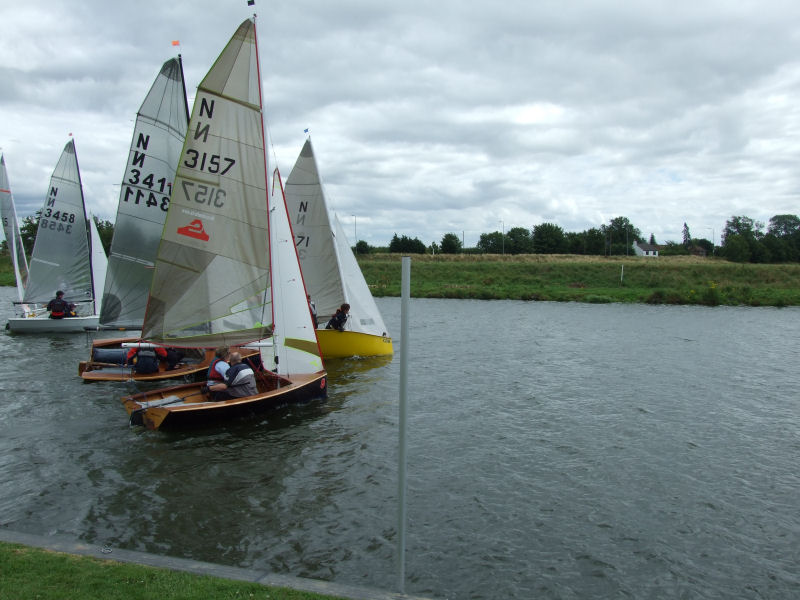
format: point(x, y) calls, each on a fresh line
point(558, 277)
point(30, 573)
point(572, 278)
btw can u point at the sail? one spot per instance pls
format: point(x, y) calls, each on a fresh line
point(144, 197)
point(295, 338)
point(331, 271)
point(364, 314)
point(212, 268)
point(60, 259)
point(8, 213)
point(99, 263)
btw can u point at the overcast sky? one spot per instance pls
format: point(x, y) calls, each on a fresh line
point(443, 116)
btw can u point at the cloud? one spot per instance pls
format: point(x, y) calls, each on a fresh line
point(449, 116)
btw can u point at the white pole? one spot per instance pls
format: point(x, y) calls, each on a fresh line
point(622, 273)
point(405, 293)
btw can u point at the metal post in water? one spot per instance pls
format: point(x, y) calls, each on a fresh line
point(405, 293)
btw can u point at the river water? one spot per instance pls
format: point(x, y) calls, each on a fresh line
point(555, 451)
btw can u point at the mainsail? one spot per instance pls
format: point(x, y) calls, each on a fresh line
point(60, 259)
point(210, 285)
point(8, 213)
point(158, 137)
point(330, 269)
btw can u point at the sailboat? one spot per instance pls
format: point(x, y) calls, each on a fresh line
point(158, 137)
point(8, 212)
point(156, 144)
point(67, 256)
point(331, 271)
point(227, 271)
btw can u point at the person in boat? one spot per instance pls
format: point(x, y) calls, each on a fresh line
point(219, 366)
point(313, 308)
point(340, 318)
point(60, 308)
point(240, 380)
point(145, 360)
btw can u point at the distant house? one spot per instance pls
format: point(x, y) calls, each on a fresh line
point(642, 249)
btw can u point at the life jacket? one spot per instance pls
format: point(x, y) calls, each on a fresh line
point(58, 308)
point(213, 374)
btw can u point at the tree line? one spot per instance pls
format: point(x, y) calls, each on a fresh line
point(742, 240)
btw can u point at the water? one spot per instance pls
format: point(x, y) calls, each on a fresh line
point(555, 451)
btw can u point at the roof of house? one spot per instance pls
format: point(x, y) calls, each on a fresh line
point(647, 247)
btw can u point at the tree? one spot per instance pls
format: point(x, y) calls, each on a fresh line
point(744, 227)
point(451, 244)
point(618, 232)
point(549, 238)
point(784, 226)
point(736, 248)
point(491, 243)
point(652, 240)
point(362, 247)
point(106, 231)
point(406, 245)
point(30, 226)
point(687, 237)
point(518, 241)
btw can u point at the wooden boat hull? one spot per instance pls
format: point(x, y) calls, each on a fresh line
point(190, 407)
point(194, 368)
point(342, 344)
point(44, 324)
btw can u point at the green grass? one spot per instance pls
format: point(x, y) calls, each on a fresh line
point(565, 278)
point(570, 278)
point(30, 573)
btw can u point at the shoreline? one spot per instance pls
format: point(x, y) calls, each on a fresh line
point(592, 279)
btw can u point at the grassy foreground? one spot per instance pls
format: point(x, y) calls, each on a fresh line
point(560, 277)
point(30, 573)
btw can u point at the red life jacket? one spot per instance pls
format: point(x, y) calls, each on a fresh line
point(213, 374)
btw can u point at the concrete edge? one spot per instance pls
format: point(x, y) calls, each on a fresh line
point(197, 567)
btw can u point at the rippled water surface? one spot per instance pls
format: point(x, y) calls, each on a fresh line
point(555, 451)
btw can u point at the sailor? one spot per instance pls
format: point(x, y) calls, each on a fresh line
point(60, 308)
point(240, 380)
point(219, 366)
point(340, 318)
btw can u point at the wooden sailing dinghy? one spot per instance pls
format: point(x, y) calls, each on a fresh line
point(227, 271)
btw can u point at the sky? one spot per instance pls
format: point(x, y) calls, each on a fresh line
point(429, 118)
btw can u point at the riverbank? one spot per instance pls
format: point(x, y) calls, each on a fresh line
point(43, 567)
point(595, 279)
point(574, 278)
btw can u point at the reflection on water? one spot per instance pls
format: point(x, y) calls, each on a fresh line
point(555, 451)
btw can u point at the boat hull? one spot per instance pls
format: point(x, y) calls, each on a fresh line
point(190, 407)
point(342, 344)
point(45, 324)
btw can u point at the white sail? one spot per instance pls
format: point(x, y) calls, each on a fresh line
point(8, 213)
point(331, 271)
point(99, 263)
point(295, 339)
point(60, 259)
point(364, 314)
point(158, 137)
point(212, 269)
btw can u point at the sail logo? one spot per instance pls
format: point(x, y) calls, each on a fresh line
point(194, 230)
